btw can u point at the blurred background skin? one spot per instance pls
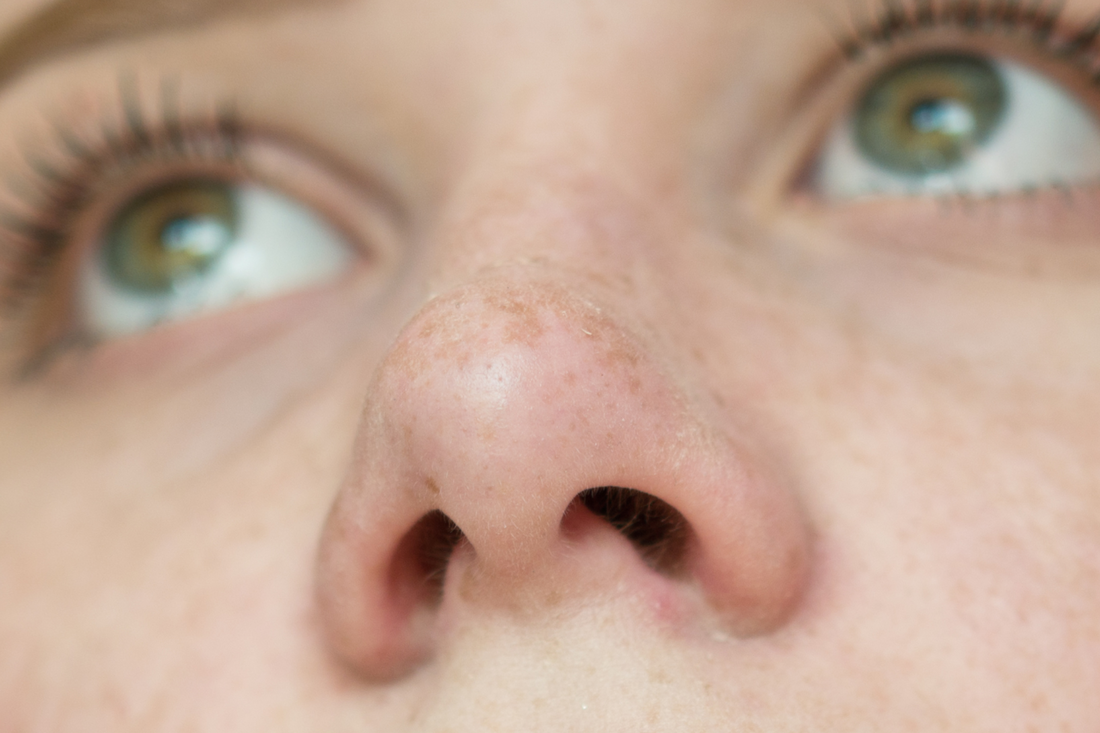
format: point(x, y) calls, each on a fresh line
point(587, 256)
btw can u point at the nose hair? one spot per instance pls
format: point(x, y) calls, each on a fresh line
point(524, 427)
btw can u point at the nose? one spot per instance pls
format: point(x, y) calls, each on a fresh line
point(521, 447)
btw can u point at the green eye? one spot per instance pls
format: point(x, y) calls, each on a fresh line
point(171, 235)
point(929, 114)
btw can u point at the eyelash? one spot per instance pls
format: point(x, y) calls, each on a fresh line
point(64, 176)
point(895, 19)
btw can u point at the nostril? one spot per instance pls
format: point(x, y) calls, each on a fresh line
point(654, 527)
point(423, 555)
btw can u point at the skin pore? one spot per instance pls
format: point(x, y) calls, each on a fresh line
point(589, 252)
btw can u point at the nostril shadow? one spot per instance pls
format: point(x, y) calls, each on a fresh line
point(654, 527)
point(658, 532)
point(423, 555)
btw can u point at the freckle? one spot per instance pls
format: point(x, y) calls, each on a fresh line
point(433, 487)
point(635, 385)
point(570, 378)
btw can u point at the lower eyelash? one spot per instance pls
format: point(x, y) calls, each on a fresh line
point(64, 176)
point(1040, 19)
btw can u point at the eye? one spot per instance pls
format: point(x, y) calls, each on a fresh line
point(195, 246)
point(958, 123)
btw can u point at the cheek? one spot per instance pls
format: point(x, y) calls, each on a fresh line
point(197, 585)
point(957, 527)
point(943, 446)
point(1005, 289)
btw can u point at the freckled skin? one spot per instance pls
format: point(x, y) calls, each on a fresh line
point(359, 509)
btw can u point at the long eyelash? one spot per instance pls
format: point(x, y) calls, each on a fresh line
point(1042, 20)
point(63, 177)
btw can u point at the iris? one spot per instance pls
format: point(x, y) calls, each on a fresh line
point(928, 114)
point(170, 235)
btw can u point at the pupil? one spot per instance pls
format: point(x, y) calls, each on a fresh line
point(943, 116)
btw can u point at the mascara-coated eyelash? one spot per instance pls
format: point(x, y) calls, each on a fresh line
point(1040, 20)
point(61, 178)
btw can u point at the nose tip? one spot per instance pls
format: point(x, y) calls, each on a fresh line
point(505, 408)
point(512, 401)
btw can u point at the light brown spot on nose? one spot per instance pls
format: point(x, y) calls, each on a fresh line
point(433, 487)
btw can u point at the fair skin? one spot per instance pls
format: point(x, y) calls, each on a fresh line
point(587, 255)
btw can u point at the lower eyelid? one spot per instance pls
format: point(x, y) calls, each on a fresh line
point(194, 347)
point(1045, 234)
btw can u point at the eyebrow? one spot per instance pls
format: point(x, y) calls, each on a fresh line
point(67, 26)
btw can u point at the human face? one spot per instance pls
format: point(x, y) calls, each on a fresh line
point(585, 258)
